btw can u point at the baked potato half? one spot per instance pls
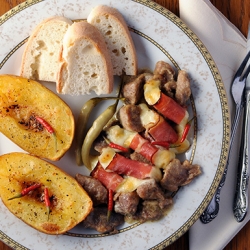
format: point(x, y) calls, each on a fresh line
point(69, 203)
point(35, 118)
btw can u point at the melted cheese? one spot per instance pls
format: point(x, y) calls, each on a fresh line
point(180, 127)
point(120, 136)
point(106, 157)
point(162, 158)
point(156, 174)
point(129, 184)
point(181, 147)
point(148, 116)
point(152, 92)
point(184, 146)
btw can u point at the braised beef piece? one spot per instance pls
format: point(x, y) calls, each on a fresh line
point(178, 89)
point(129, 116)
point(97, 220)
point(153, 202)
point(148, 76)
point(183, 90)
point(138, 157)
point(97, 192)
point(150, 190)
point(149, 210)
point(179, 174)
point(126, 203)
point(169, 88)
point(164, 72)
point(99, 144)
point(132, 90)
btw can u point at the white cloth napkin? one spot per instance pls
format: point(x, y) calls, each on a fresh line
point(228, 48)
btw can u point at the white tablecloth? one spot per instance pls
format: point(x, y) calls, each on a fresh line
point(228, 47)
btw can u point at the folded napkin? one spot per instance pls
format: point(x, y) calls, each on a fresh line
point(228, 48)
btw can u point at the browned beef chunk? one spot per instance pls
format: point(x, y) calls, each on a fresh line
point(126, 203)
point(150, 190)
point(193, 171)
point(177, 174)
point(164, 72)
point(97, 220)
point(129, 116)
point(97, 192)
point(99, 144)
point(169, 88)
point(148, 76)
point(138, 157)
point(149, 211)
point(183, 90)
point(133, 90)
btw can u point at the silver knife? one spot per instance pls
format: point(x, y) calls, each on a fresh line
point(240, 205)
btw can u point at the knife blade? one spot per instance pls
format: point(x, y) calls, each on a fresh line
point(240, 205)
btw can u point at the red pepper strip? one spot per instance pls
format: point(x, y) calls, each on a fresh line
point(161, 143)
point(47, 200)
point(26, 191)
point(115, 146)
point(45, 124)
point(186, 130)
point(110, 203)
point(48, 127)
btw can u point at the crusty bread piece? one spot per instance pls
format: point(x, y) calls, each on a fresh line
point(85, 62)
point(40, 58)
point(113, 27)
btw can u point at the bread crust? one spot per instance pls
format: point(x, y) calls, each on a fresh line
point(116, 16)
point(29, 58)
point(83, 31)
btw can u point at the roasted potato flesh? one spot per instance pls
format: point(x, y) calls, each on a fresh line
point(21, 101)
point(70, 204)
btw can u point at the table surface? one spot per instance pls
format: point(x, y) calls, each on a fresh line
point(238, 12)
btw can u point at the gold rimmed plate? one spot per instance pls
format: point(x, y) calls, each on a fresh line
point(158, 35)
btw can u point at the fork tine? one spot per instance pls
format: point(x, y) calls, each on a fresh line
point(246, 72)
point(242, 66)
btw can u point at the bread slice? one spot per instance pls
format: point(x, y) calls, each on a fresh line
point(40, 58)
point(85, 62)
point(113, 27)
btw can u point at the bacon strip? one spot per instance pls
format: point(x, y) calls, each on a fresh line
point(143, 147)
point(170, 109)
point(124, 166)
point(162, 131)
point(110, 180)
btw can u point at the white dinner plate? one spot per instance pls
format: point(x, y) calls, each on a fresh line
point(158, 35)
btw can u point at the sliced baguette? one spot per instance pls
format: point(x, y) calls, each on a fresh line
point(85, 62)
point(40, 58)
point(113, 27)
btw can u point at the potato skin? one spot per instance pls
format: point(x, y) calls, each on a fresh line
point(22, 99)
point(70, 204)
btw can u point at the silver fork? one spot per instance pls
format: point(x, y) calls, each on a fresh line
point(237, 90)
point(240, 205)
